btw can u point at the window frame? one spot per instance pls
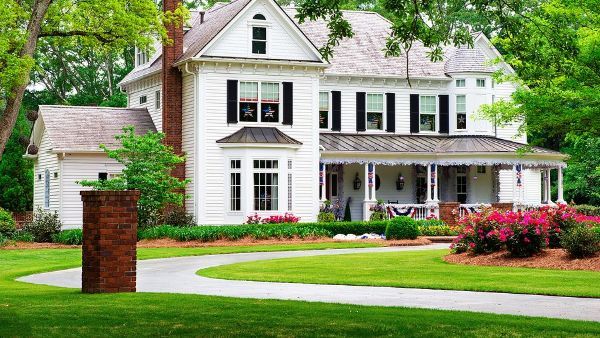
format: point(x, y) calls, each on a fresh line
point(367, 111)
point(157, 99)
point(457, 112)
point(477, 81)
point(254, 23)
point(239, 172)
point(47, 189)
point(141, 57)
point(143, 99)
point(259, 101)
point(328, 109)
point(464, 83)
point(462, 175)
point(435, 114)
point(272, 171)
point(481, 169)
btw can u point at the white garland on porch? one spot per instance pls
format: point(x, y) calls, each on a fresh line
point(456, 162)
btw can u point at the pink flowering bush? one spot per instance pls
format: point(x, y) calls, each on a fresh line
point(273, 219)
point(563, 218)
point(478, 234)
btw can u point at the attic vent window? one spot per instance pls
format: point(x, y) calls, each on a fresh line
point(259, 40)
point(259, 17)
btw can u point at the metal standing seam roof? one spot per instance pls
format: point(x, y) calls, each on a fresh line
point(262, 135)
point(83, 129)
point(422, 144)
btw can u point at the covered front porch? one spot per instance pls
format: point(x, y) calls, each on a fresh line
point(358, 170)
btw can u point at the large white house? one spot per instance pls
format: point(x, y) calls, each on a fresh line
point(268, 126)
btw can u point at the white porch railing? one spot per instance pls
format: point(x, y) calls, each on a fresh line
point(466, 209)
point(416, 211)
point(528, 206)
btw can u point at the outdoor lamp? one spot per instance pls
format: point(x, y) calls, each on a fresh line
point(357, 182)
point(400, 182)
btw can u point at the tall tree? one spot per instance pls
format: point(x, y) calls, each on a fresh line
point(113, 24)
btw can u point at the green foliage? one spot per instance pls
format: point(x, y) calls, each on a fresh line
point(581, 241)
point(7, 223)
point(437, 230)
point(148, 165)
point(589, 210)
point(44, 225)
point(177, 217)
point(347, 212)
point(325, 217)
point(16, 172)
point(3, 240)
point(68, 237)
point(402, 227)
point(582, 176)
point(23, 236)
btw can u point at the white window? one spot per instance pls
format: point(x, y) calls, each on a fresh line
point(461, 112)
point(324, 110)
point(251, 97)
point(332, 182)
point(480, 83)
point(428, 113)
point(421, 184)
point(47, 189)
point(461, 184)
point(460, 83)
point(235, 184)
point(157, 98)
point(143, 99)
point(266, 185)
point(141, 57)
point(374, 111)
point(290, 185)
point(481, 169)
point(259, 40)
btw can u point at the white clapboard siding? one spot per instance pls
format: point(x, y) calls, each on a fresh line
point(282, 42)
point(188, 137)
point(148, 87)
point(46, 160)
point(531, 185)
point(77, 168)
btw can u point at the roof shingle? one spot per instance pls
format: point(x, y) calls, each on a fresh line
point(265, 135)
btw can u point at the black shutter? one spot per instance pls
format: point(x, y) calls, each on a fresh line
point(390, 102)
point(414, 113)
point(336, 110)
point(444, 114)
point(288, 103)
point(361, 114)
point(232, 101)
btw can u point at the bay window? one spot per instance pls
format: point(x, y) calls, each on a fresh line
point(374, 111)
point(428, 113)
point(266, 185)
point(461, 112)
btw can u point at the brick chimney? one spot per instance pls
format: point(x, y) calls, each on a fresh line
point(172, 84)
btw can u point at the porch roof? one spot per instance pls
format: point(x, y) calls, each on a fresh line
point(424, 149)
point(265, 135)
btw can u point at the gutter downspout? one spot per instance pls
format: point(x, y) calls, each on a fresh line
point(195, 75)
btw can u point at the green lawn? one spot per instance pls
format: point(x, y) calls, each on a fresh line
point(418, 269)
point(35, 310)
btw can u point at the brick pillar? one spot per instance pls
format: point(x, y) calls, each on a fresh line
point(447, 210)
point(109, 241)
point(503, 206)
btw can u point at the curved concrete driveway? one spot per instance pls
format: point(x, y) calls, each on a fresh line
point(178, 275)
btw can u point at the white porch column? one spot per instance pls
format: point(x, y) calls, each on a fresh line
point(560, 199)
point(323, 181)
point(366, 184)
point(428, 200)
point(374, 183)
point(434, 174)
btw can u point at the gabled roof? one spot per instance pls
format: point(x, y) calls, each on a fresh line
point(83, 129)
point(263, 135)
point(467, 60)
point(333, 142)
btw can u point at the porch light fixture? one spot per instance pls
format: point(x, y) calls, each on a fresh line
point(400, 182)
point(357, 182)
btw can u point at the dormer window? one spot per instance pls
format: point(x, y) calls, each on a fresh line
point(141, 57)
point(259, 40)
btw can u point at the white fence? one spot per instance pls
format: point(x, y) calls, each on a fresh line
point(416, 211)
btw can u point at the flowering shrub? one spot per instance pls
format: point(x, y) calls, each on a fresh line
point(527, 236)
point(479, 233)
point(274, 219)
point(377, 211)
point(563, 218)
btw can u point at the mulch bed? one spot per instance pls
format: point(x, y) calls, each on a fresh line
point(170, 243)
point(548, 259)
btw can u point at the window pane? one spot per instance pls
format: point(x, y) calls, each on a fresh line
point(323, 119)
point(375, 121)
point(481, 83)
point(428, 104)
point(269, 112)
point(323, 101)
point(461, 104)
point(461, 121)
point(269, 92)
point(427, 122)
point(248, 91)
point(375, 102)
point(259, 47)
point(460, 83)
point(248, 112)
point(259, 33)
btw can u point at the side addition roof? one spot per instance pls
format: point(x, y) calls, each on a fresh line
point(83, 129)
point(262, 135)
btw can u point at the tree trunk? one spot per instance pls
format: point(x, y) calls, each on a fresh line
point(15, 97)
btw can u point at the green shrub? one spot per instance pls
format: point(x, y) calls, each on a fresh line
point(402, 227)
point(7, 224)
point(22, 236)
point(590, 210)
point(437, 230)
point(177, 217)
point(581, 241)
point(68, 237)
point(3, 240)
point(347, 212)
point(43, 226)
point(325, 217)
